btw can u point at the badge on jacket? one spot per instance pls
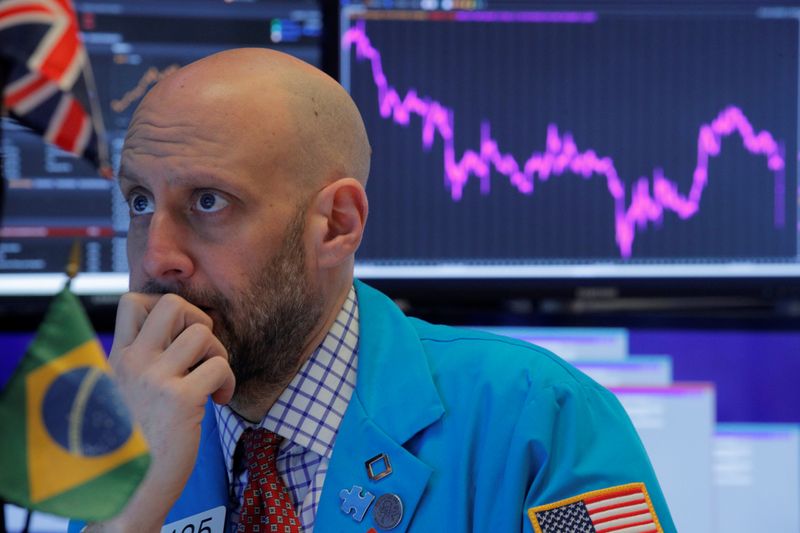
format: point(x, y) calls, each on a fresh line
point(211, 521)
point(619, 509)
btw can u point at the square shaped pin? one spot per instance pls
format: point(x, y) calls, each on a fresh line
point(378, 467)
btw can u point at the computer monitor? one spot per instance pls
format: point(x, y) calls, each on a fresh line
point(644, 370)
point(53, 198)
point(603, 141)
point(676, 425)
point(572, 344)
point(757, 467)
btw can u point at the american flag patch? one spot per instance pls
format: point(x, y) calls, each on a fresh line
point(622, 509)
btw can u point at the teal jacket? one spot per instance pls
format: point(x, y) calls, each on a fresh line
point(478, 430)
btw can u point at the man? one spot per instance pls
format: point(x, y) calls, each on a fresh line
point(332, 411)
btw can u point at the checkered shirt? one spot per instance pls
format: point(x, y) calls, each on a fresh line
point(307, 415)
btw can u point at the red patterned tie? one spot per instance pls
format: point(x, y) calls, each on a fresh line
point(266, 505)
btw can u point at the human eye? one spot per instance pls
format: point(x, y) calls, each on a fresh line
point(210, 202)
point(140, 203)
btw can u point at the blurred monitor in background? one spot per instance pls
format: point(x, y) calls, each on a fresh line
point(52, 197)
point(676, 424)
point(757, 466)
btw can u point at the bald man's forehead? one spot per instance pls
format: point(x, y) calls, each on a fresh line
point(248, 69)
point(283, 111)
point(174, 141)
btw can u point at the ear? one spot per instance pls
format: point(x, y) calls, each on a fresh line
point(339, 213)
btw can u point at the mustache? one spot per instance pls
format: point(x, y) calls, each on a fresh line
point(202, 298)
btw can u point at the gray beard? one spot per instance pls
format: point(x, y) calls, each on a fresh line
point(267, 326)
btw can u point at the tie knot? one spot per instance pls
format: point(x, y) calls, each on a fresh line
point(266, 503)
point(260, 447)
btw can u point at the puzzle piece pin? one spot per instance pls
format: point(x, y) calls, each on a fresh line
point(354, 503)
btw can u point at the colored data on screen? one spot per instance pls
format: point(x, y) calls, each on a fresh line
point(52, 197)
point(625, 141)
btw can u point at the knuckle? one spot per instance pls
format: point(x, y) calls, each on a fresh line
point(200, 317)
point(129, 298)
point(219, 349)
point(198, 328)
point(133, 300)
point(126, 306)
point(210, 366)
point(125, 302)
point(217, 364)
point(200, 331)
point(170, 302)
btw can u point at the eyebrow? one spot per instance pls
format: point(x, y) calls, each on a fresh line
point(198, 180)
point(124, 174)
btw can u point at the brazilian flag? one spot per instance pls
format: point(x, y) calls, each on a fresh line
point(68, 445)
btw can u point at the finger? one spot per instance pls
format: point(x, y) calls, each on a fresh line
point(170, 316)
point(132, 312)
point(213, 377)
point(194, 345)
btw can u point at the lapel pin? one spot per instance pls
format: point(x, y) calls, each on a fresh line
point(378, 467)
point(353, 502)
point(388, 511)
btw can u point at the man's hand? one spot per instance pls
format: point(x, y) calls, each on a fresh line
point(167, 362)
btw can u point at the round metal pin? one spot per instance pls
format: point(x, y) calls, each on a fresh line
point(388, 511)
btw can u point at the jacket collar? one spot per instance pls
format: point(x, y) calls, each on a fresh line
point(394, 380)
point(395, 398)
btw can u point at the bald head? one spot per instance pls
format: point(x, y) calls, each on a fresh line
point(279, 111)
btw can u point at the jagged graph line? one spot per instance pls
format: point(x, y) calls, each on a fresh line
point(650, 196)
point(150, 77)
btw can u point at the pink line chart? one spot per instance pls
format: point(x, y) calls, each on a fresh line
point(650, 196)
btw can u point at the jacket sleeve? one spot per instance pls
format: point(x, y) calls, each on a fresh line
point(582, 448)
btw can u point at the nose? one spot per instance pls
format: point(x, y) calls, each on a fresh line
point(167, 255)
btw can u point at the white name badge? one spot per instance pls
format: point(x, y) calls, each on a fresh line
point(211, 521)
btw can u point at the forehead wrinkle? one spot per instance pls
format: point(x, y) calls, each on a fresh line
point(146, 134)
point(195, 170)
point(191, 172)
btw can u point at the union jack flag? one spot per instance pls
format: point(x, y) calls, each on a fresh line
point(49, 88)
point(621, 509)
